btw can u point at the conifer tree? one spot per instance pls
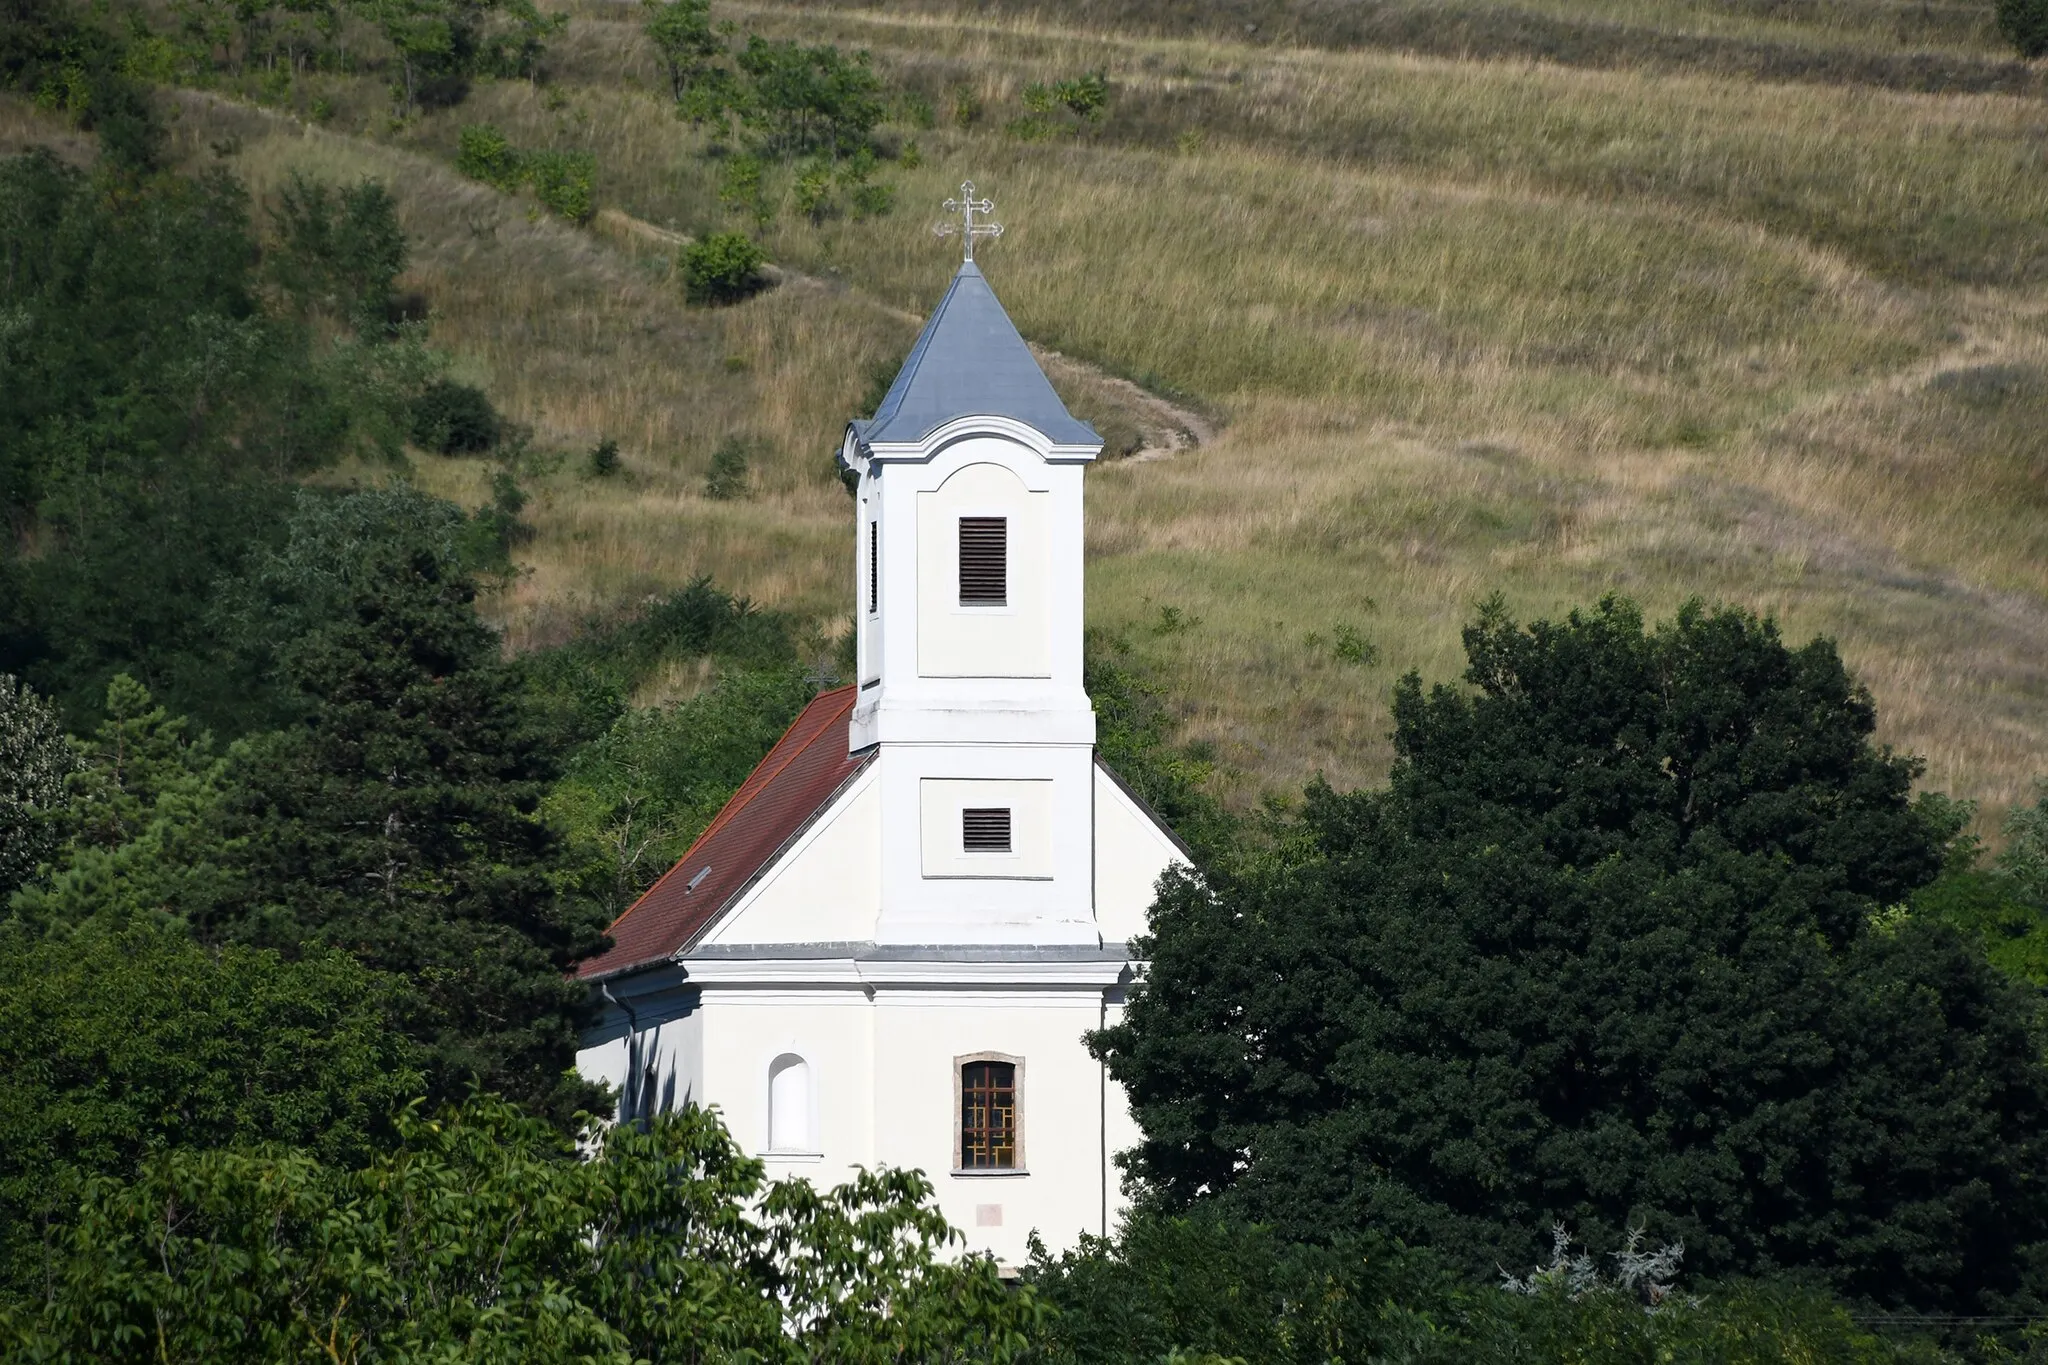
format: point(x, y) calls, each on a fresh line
point(397, 817)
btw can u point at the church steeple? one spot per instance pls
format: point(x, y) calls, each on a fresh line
point(968, 589)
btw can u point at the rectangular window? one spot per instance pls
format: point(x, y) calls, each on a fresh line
point(985, 829)
point(874, 567)
point(988, 1116)
point(984, 561)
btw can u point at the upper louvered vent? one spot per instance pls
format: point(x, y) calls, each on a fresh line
point(985, 830)
point(984, 561)
point(874, 567)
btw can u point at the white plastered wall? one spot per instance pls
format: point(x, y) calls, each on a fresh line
point(1130, 853)
point(1049, 905)
point(942, 801)
point(827, 888)
point(1009, 641)
point(882, 1067)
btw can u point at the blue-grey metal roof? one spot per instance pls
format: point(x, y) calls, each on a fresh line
point(970, 362)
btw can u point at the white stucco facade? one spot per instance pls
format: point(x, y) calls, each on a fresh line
point(957, 912)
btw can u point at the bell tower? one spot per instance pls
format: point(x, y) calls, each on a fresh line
point(968, 585)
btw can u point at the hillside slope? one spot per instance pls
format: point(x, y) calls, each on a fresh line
point(1465, 321)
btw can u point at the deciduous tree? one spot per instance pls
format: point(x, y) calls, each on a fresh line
point(1615, 945)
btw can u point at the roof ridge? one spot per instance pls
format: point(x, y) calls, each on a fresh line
point(741, 796)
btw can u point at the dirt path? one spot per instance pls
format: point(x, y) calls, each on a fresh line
point(1166, 427)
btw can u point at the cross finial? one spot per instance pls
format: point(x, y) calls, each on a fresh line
point(967, 206)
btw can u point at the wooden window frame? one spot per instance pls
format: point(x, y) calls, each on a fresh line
point(960, 1065)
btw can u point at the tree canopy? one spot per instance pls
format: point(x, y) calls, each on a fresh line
point(1618, 945)
point(397, 815)
point(477, 1236)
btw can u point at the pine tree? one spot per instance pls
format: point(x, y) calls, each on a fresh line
point(397, 819)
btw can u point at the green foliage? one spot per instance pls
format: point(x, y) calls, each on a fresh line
point(586, 682)
point(338, 251)
point(35, 760)
point(442, 45)
point(396, 816)
point(1133, 735)
point(635, 798)
point(741, 189)
point(132, 822)
point(454, 419)
point(724, 267)
point(809, 99)
point(122, 1039)
point(480, 1238)
point(483, 152)
point(156, 414)
point(1206, 1289)
point(2025, 860)
point(2024, 24)
point(1603, 952)
point(967, 107)
point(1062, 106)
point(564, 183)
point(2004, 907)
point(681, 33)
point(727, 478)
point(603, 461)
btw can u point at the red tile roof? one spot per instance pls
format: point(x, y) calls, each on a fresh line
point(787, 789)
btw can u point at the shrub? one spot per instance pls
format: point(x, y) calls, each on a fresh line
point(728, 476)
point(966, 106)
point(604, 459)
point(1085, 97)
point(741, 189)
point(723, 268)
point(454, 419)
point(814, 192)
point(484, 153)
point(2025, 25)
point(562, 182)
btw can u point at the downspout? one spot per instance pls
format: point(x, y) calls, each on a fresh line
point(1102, 1116)
point(631, 1097)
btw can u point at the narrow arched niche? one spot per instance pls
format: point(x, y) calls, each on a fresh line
point(789, 1104)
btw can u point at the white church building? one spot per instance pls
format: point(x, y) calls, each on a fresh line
point(886, 948)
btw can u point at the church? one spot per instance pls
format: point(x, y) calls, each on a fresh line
point(887, 947)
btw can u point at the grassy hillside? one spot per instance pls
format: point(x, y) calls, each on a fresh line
point(1573, 296)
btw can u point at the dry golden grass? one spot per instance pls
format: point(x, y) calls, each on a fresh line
point(1469, 326)
point(583, 342)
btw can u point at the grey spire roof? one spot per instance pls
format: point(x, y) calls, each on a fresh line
point(969, 361)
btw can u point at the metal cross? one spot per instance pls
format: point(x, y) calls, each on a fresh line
point(967, 206)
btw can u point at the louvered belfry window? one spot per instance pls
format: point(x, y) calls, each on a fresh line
point(874, 567)
point(984, 561)
point(988, 1116)
point(985, 829)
